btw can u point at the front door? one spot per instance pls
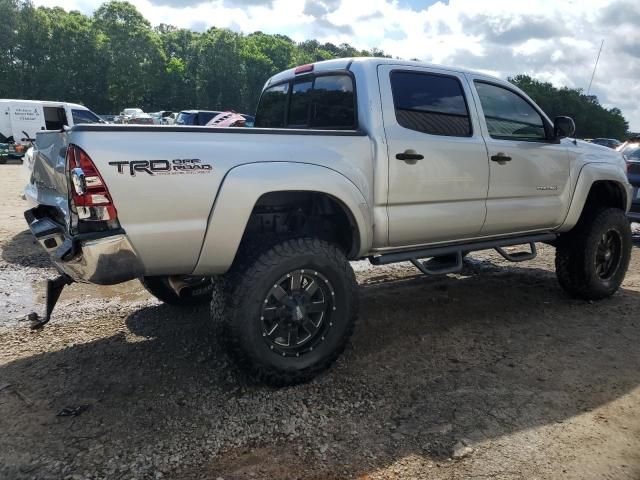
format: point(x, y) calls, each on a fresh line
point(529, 174)
point(438, 167)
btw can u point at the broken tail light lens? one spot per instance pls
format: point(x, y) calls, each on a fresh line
point(88, 192)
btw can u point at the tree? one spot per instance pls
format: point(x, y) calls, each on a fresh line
point(133, 55)
point(592, 119)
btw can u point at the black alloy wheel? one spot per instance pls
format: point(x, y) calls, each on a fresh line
point(297, 312)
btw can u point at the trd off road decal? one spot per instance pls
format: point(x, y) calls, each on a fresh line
point(179, 166)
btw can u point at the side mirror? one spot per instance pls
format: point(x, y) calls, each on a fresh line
point(563, 127)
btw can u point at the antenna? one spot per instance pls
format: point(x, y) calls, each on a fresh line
point(594, 67)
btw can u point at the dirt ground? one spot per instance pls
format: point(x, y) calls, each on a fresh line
point(492, 373)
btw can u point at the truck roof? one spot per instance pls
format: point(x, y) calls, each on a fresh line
point(344, 63)
point(47, 103)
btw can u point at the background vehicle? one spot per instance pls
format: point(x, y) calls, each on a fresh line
point(108, 118)
point(631, 153)
point(163, 117)
point(418, 162)
point(20, 120)
point(203, 117)
point(128, 113)
point(607, 142)
point(227, 119)
point(195, 117)
point(142, 119)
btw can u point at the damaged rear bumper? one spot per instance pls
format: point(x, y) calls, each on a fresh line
point(104, 258)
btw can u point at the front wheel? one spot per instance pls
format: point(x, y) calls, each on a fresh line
point(289, 310)
point(592, 259)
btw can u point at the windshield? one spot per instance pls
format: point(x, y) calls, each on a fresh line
point(185, 118)
point(632, 152)
point(85, 116)
point(200, 117)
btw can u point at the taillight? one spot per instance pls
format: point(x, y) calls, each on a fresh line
point(89, 193)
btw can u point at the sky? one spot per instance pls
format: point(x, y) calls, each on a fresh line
point(551, 40)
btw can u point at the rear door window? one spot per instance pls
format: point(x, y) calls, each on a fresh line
point(54, 118)
point(430, 103)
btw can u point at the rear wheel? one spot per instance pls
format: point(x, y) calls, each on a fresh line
point(180, 290)
point(592, 259)
point(289, 310)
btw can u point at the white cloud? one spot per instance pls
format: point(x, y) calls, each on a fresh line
point(550, 40)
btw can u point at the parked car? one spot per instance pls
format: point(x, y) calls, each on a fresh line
point(418, 162)
point(108, 118)
point(607, 142)
point(227, 119)
point(142, 119)
point(128, 113)
point(20, 120)
point(631, 154)
point(163, 117)
point(195, 117)
point(203, 117)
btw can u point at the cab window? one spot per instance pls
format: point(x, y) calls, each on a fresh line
point(430, 103)
point(508, 115)
point(54, 118)
point(272, 107)
point(84, 116)
point(321, 102)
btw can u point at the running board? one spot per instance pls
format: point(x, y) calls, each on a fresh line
point(436, 267)
point(414, 255)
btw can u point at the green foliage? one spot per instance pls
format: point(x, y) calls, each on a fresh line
point(592, 119)
point(115, 59)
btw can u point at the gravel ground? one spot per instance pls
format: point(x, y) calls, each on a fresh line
point(492, 373)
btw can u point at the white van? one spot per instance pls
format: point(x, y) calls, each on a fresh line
point(20, 120)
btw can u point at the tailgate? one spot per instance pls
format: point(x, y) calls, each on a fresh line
point(48, 178)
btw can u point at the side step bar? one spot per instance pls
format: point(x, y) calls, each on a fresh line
point(457, 251)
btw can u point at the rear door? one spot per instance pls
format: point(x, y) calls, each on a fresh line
point(26, 119)
point(438, 167)
point(529, 174)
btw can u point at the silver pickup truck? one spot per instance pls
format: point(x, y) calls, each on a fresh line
point(351, 158)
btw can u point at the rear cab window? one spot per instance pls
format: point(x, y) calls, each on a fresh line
point(430, 103)
point(310, 102)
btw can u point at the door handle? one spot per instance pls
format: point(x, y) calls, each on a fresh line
point(410, 155)
point(501, 157)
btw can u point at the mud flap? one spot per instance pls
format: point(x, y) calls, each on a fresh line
point(54, 289)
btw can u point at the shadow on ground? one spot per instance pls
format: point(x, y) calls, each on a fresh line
point(25, 251)
point(433, 360)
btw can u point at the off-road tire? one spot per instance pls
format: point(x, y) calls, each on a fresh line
point(159, 287)
point(248, 284)
point(577, 250)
